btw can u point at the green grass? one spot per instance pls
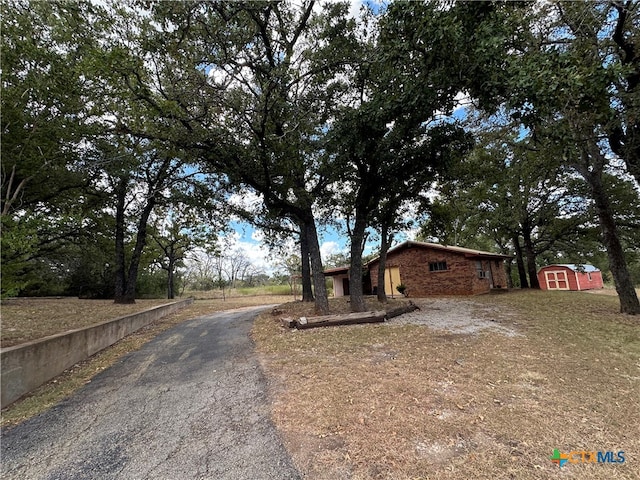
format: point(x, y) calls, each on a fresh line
point(265, 290)
point(276, 290)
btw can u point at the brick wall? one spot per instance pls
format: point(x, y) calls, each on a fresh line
point(499, 274)
point(460, 278)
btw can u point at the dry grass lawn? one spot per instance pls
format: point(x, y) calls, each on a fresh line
point(25, 319)
point(406, 401)
point(73, 313)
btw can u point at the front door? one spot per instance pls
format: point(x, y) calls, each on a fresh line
point(391, 280)
point(557, 280)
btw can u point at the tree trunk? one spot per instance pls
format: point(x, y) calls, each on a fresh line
point(522, 273)
point(355, 272)
point(120, 267)
point(625, 142)
point(385, 243)
point(307, 290)
point(627, 147)
point(134, 265)
point(617, 263)
point(129, 295)
point(531, 258)
point(321, 297)
point(508, 268)
point(170, 275)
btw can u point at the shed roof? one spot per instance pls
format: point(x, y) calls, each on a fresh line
point(467, 252)
point(575, 267)
point(331, 272)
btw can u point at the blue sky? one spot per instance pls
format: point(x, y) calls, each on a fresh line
point(248, 239)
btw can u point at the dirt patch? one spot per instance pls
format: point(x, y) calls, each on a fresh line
point(459, 316)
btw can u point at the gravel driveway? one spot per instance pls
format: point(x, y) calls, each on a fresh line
point(459, 315)
point(189, 404)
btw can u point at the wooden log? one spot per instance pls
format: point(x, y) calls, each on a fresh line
point(288, 322)
point(345, 319)
point(396, 312)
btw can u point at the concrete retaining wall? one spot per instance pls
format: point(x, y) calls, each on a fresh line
point(27, 366)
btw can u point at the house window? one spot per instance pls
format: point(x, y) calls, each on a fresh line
point(481, 272)
point(437, 266)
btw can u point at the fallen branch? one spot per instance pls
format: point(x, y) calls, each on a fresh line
point(348, 318)
point(345, 319)
point(396, 312)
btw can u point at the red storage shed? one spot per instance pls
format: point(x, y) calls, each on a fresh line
point(570, 277)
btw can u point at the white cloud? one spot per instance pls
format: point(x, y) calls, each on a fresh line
point(249, 200)
point(248, 242)
point(257, 255)
point(411, 233)
point(257, 235)
point(230, 239)
point(329, 248)
point(355, 8)
point(463, 101)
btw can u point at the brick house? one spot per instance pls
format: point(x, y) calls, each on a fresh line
point(431, 269)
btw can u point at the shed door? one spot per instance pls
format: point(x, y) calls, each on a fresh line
point(345, 287)
point(391, 280)
point(557, 280)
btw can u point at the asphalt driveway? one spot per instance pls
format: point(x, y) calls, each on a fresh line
point(191, 404)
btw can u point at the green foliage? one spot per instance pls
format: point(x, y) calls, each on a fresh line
point(44, 117)
point(507, 187)
point(573, 82)
point(152, 283)
point(19, 242)
point(122, 108)
point(90, 267)
point(389, 140)
point(265, 290)
point(43, 103)
point(335, 260)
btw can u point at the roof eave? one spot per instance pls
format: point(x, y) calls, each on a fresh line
point(336, 271)
point(493, 256)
